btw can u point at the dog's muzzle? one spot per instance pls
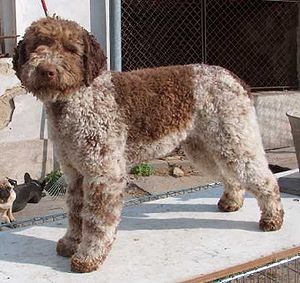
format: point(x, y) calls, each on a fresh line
point(46, 71)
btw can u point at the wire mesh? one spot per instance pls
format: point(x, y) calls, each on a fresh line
point(286, 270)
point(256, 39)
point(160, 33)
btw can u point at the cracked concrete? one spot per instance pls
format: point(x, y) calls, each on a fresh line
point(7, 105)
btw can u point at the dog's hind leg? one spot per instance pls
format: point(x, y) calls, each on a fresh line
point(237, 149)
point(68, 244)
point(196, 151)
point(254, 176)
point(103, 201)
point(233, 196)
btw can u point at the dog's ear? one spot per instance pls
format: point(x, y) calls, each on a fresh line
point(19, 58)
point(27, 178)
point(94, 60)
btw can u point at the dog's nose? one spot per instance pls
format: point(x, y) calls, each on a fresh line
point(47, 71)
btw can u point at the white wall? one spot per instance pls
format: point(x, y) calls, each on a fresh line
point(29, 10)
point(17, 15)
point(89, 13)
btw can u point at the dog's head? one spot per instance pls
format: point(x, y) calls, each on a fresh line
point(56, 57)
point(7, 193)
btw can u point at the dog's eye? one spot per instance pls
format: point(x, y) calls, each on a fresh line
point(43, 41)
point(70, 48)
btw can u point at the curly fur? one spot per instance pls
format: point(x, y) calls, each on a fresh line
point(100, 121)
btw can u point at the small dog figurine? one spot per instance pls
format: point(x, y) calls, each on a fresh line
point(7, 197)
point(29, 192)
point(101, 121)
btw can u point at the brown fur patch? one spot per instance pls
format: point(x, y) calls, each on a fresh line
point(104, 203)
point(19, 58)
point(155, 102)
point(94, 60)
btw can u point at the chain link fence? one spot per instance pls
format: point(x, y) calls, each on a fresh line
point(256, 39)
point(286, 270)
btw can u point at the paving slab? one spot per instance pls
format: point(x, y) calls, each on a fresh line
point(168, 240)
point(159, 184)
point(290, 184)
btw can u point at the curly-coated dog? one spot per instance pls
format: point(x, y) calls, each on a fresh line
point(101, 121)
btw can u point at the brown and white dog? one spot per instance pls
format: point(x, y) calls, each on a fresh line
point(101, 121)
point(7, 197)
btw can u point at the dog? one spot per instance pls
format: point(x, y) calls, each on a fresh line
point(7, 197)
point(31, 191)
point(101, 121)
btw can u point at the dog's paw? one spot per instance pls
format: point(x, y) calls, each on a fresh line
point(273, 223)
point(12, 219)
point(228, 205)
point(5, 220)
point(85, 264)
point(66, 248)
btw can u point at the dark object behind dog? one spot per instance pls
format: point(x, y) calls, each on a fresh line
point(29, 192)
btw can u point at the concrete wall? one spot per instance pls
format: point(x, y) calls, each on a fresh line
point(89, 13)
point(271, 108)
point(23, 131)
point(18, 14)
point(30, 10)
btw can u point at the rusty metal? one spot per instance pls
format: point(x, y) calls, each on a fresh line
point(8, 36)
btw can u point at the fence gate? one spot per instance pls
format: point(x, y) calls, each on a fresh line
point(256, 39)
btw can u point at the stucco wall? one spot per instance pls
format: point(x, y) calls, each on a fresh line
point(271, 108)
point(23, 130)
point(30, 10)
point(89, 13)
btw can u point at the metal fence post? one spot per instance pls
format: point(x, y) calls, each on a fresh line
point(115, 36)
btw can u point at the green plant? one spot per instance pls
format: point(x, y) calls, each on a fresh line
point(52, 178)
point(142, 169)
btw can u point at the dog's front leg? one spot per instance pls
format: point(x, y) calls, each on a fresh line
point(5, 218)
point(68, 244)
point(10, 215)
point(103, 200)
